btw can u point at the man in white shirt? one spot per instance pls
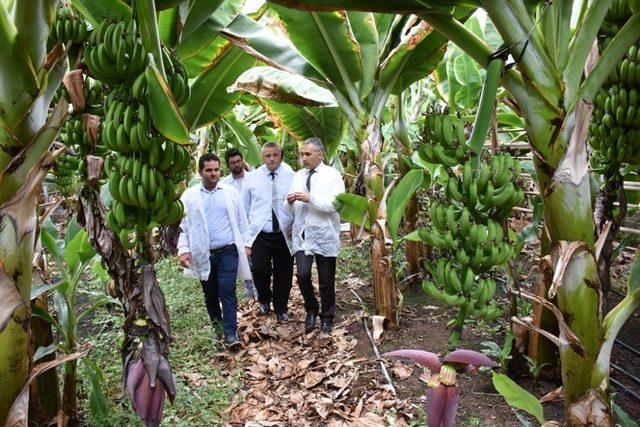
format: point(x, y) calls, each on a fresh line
point(237, 178)
point(270, 227)
point(316, 231)
point(211, 245)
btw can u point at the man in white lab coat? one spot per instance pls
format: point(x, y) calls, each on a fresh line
point(211, 245)
point(237, 178)
point(316, 231)
point(270, 229)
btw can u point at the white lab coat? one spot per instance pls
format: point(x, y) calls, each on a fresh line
point(194, 237)
point(317, 219)
point(256, 196)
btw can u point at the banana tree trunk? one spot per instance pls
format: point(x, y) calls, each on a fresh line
point(44, 394)
point(385, 292)
point(18, 227)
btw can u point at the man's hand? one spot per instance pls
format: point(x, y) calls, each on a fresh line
point(247, 250)
point(291, 197)
point(303, 197)
point(185, 259)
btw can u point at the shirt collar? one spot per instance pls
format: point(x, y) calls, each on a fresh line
point(212, 191)
point(277, 171)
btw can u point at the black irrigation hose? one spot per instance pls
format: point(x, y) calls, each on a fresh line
point(627, 373)
point(628, 347)
point(625, 389)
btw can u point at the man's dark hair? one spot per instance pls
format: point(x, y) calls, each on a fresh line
point(232, 152)
point(207, 158)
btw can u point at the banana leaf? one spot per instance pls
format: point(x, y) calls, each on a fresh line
point(273, 49)
point(169, 26)
point(284, 87)
point(306, 122)
point(325, 39)
point(353, 208)
point(363, 26)
point(399, 199)
point(417, 55)
point(199, 49)
point(244, 140)
point(96, 11)
point(199, 12)
point(384, 6)
point(209, 97)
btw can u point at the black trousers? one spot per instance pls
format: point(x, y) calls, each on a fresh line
point(270, 255)
point(326, 282)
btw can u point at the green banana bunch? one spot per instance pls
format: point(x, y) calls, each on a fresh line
point(176, 77)
point(443, 140)
point(615, 127)
point(65, 172)
point(68, 26)
point(115, 53)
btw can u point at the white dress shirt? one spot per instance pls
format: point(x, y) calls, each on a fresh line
point(257, 198)
point(317, 219)
point(194, 236)
point(238, 184)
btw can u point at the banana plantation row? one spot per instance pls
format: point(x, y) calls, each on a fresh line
point(411, 99)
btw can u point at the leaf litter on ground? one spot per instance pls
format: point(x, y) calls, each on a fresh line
point(297, 379)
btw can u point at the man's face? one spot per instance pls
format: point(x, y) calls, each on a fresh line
point(272, 157)
point(235, 164)
point(310, 157)
point(210, 173)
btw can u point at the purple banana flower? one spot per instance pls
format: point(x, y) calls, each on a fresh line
point(442, 397)
point(147, 394)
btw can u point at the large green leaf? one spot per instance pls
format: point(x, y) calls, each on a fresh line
point(333, 128)
point(326, 40)
point(400, 197)
point(164, 111)
point(97, 401)
point(306, 122)
point(202, 46)
point(417, 55)
point(245, 140)
point(352, 208)
point(466, 71)
point(199, 13)
point(209, 97)
point(518, 397)
point(96, 11)
point(281, 86)
point(265, 45)
point(385, 6)
point(148, 27)
point(168, 26)
point(363, 25)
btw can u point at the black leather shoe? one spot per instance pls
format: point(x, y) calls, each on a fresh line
point(282, 317)
point(232, 342)
point(263, 309)
point(310, 321)
point(325, 326)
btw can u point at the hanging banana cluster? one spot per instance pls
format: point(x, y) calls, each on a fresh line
point(65, 172)
point(466, 224)
point(145, 169)
point(615, 127)
point(443, 140)
point(115, 53)
point(68, 27)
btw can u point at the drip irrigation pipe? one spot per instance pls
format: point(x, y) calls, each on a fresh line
point(625, 389)
point(629, 374)
point(628, 347)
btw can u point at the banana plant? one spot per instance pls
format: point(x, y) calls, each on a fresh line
point(72, 254)
point(549, 86)
point(29, 78)
point(360, 58)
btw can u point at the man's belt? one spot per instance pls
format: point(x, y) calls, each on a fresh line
point(218, 250)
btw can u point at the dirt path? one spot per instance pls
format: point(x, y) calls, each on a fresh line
point(297, 379)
